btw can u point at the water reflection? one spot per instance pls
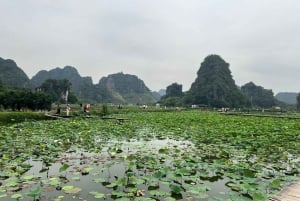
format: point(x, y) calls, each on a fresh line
point(126, 169)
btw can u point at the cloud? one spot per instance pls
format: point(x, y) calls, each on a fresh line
point(160, 41)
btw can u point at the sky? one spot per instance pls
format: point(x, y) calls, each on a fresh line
point(160, 41)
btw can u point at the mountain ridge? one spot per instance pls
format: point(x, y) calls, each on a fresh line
point(12, 75)
point(116, 88)
point(287, 97)
point(132, 90)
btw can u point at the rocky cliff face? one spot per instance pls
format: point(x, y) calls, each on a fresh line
point(125, 88)
point(214, 85)
point(116, 88)
point(81, 86)
point(11, 75)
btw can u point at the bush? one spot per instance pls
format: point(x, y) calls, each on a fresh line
point(17, 117)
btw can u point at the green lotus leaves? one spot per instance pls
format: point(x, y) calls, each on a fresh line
point(3, 195)
point(54, 181)
point(30, 177)
point(99, 180)
point(35, 192)
point(177, 189)
point(97, 195)
point(155, 156)
point(71, 189)
point(64, 167)
point(259, 196)
point(17, 196)
point(159, 193)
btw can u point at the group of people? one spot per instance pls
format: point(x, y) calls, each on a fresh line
point(86, 109)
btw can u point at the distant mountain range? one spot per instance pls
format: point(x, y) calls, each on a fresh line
point(117, 88)
point(287, 97)
point(120, 88)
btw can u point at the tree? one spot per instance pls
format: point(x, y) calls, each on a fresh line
point(214, 85)
point(174, 90)
point(173, 95)
point(298, 101)
point(59, 90)
point(258, 96)
point(18, 99)
point(2, 86)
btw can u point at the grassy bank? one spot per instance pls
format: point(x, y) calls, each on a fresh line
point(7, 118)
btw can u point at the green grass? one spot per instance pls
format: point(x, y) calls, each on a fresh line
point(7, 118)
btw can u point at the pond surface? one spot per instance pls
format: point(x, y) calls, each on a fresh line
point(126, 170)
point(154, 156)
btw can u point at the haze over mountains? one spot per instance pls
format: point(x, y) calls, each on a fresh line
point(115, 88)
point(287, 97)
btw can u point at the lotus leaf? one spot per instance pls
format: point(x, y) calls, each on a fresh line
point(3, 195)
point(35, 192)
point(64, 167)
point(17, 196)
point(71, 189)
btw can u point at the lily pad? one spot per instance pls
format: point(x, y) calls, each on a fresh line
point(97, 195)
point(71, 189)
point(64, 167)
point(3, 195)
point(17, 196)
point(35, 192)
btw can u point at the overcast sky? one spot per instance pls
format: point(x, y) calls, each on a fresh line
point(160, 41)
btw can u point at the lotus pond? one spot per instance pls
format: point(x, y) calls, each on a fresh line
point(162, 156)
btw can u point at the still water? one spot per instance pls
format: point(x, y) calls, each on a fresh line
point(122, 170)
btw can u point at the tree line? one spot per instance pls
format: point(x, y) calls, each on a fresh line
point(21, 98)
point(41, 98)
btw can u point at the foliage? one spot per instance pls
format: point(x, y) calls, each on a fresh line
point(173, 96)
point(11, 75)
point(174, 90)
point(298, 101)
point(116, 88)
point(155, 155)
point(2, 86)
point(214, 85)
point(59, 90)
point(35, 192)
point(19, 99)
point(258, 96)
point(125, 88)
point(171, 101)
point(82, 87)
point(18, 117)
point(104, 110)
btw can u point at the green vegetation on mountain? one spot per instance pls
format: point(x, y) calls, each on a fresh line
point(173, 95)
point(287, 97)
point(258, 96)
point(82, 87)
point(298, 101)
point(59, 90)
point(116, 88)
point(11, 75)
point(2, 86)
point(215, 86)
point(125, 88)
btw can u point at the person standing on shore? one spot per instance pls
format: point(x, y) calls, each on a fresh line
point(68, 108)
